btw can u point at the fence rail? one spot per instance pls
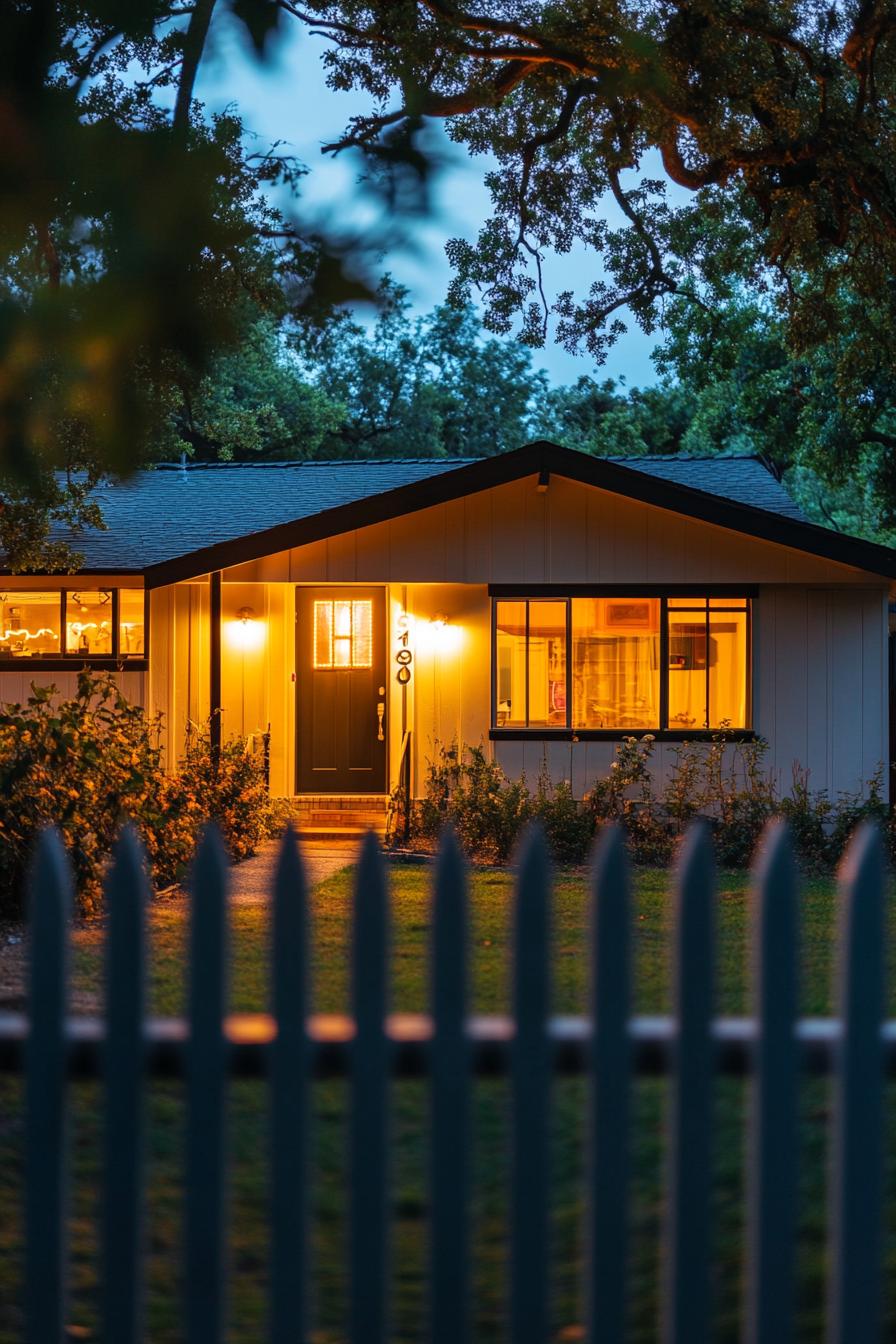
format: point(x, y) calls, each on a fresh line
point(290, 1047)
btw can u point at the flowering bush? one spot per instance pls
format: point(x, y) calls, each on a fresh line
point(88, 764)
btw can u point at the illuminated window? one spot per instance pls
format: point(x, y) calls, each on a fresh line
point(530, 651)
point(89, 623)
point(615, 662)
point(637, 663)
point(29, 625)
point(131, 634)
point(343, 633)
point(708, 647)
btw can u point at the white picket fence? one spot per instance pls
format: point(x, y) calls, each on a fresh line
point(289, 1048)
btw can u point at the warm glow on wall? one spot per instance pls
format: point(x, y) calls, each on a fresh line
point(439, 636)
point(246, 634)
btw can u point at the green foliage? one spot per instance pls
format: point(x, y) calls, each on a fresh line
point(432, 386)
point(724, 780)
point(92, 762)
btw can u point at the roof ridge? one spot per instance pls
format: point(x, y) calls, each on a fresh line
point(306, 462)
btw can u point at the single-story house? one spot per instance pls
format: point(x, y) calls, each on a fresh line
point(544, 601)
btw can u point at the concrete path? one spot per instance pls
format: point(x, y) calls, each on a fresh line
point(252, 881)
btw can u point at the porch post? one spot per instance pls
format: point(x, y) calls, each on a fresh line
point(214, 671)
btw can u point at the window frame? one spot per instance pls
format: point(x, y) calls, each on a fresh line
point(65, 661)
point(566, 592)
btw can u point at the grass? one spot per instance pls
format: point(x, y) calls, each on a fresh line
point(491, 907)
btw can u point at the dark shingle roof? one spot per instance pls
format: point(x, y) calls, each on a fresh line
point(171, 511)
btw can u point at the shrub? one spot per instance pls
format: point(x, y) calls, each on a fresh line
point(89, 763)
point(725, 781)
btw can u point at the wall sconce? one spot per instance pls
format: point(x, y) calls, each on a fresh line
point(441, 636)
point(246, 633)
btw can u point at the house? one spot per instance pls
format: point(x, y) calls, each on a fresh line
point(545, 601)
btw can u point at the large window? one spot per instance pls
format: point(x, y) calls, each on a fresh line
point(612, 665)
point(83, 625)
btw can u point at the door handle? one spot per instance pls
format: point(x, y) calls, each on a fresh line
point(380, 711)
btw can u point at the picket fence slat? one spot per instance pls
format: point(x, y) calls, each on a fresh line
point(45, 1100)
point(772, 1151)
point(530, 1078)
point(289, 1098)
point(609, 1106)
point(206, 1097)
point(126, 896)
point(450, 1101)
point(686, 1295)
point(856, 1176)
point(290, 1047)
point(368, 1124)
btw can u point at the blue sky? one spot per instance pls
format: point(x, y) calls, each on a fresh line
point(287, 98)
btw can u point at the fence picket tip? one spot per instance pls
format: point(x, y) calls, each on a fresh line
point(609, 861)
point(863, 858)
point(774, 856)
point(50, 868)
point(289, 870)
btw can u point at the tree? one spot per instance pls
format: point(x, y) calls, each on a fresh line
point(253, 403)
point(433, 386)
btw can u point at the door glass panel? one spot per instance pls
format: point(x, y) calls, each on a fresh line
point(131, 639)
point(510, 665)
point(547, 664)
point(29, 624)
point(362, 634)
point(323, 634)
point(88, 622)
point(343, 633)
point(615, 669)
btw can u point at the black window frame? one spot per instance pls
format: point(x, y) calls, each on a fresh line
point(66, 662)
point(704, 593)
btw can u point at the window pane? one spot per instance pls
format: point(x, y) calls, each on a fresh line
point(615, 669)
point(362, 634)
point(132, 637)
point(88, 623)
point(739, 602)
point(29, 624)
point(547, 664)
point(510, 664)
point(692, 603)
point(323, 634)
point(728, 669)
point(687, 670)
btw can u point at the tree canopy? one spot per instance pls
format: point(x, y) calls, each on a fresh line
point(725, 166)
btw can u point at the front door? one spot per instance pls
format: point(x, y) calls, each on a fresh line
point(341, 689)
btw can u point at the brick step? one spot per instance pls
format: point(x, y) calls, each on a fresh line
point(337, 802)
point(339, 832)
point(342, 819)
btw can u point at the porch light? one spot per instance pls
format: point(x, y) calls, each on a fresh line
point(246, 633)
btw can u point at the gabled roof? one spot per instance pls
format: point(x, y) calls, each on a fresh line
point(173, 523)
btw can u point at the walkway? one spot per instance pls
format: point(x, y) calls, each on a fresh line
point(252, 881)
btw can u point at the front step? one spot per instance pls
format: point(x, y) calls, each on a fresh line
point(340, 816)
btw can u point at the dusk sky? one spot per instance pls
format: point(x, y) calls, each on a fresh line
point(286, 97)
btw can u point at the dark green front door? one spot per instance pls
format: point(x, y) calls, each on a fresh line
point(341, 690)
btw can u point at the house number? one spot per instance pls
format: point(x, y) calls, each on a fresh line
point(403, 657)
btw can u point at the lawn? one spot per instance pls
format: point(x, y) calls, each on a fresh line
point(491, 907)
